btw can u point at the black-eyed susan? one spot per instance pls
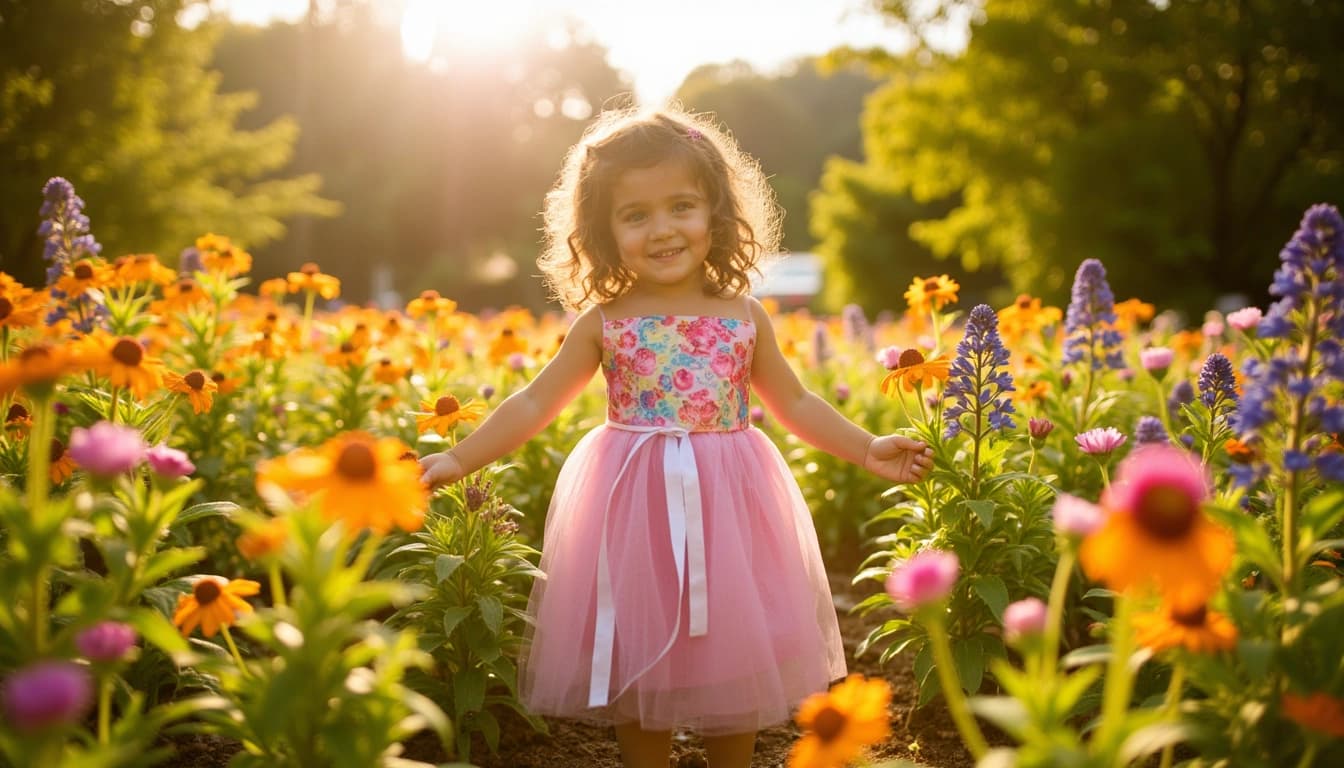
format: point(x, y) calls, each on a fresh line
point(388, 371)
point(274, 288)
point(507, 342)
point(84, 275)
point(347, 355)
point(138, 268)
point(1156, 535)
point(197, 385)
point(181, 295)
point(357, 479)
point(263, 539)
point(62, 464)
point(430, 303)
point(37, 368)
point(18, 419)
point(1024, 316)
point(220, 256)
point(1036, 390)
point(1197, 629)
point(214, 602)
point(311, 279)
point(20, 307)
point(1317, 711)
point(913, 372)
point(124, 362)
point(927, 293)
point(839, 724)
point(445, 413)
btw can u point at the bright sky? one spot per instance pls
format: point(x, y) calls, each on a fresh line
point(657, 44)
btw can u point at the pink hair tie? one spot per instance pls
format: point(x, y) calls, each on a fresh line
point(694, 135)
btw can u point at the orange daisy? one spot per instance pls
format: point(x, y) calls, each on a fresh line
point(1026, 315)
point(430, 303)
point(263, 539)
point(125, 364)
point(931, 292)
point(838, 724)
point(1198, 630)
point(914, 372)
point(18, 419)
point(310, 278)
point(357, 479)
point(389, 372)
point(141, 268)
point(84, 275)
point(445, 413)
point(20, 307)
point(221, 256)
point(1318, 711)
point(214, 602)
point(37, 368)
point(181, 295)
point(62, 464)
point(197, 385)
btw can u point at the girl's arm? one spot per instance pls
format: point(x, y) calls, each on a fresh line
point(527, 411)
point(894, 457)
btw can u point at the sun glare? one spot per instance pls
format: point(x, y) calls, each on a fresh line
point(432, 29)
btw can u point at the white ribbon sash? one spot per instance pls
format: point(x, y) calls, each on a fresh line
point(685, 522)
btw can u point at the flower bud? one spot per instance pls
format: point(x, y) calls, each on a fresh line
point(926, 578)
point(106, 641)
point(1040, 428)
point(1024, 618)
point(46, 694)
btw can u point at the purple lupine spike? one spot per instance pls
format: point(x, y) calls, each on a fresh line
point(1089, 323)
point(978, 380)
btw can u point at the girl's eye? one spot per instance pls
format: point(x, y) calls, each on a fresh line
point(634, 216)
point(684, 205)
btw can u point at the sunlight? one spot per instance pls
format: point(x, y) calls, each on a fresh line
point(436, 29)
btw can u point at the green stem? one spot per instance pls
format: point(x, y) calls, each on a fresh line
point(114, 398)
point(233, 649)
point(1172, 703)
point(310, 296)
point(39, 479)
point(104, 708)
point(277, 585)
point(1296, 418)
point(1119, 677)
point(1054, 617)
point(1309, 755)
point(951, 683)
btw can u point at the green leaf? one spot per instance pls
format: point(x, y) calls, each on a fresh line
point(983, 509)
point(155, 628)
point(992, 592)
point(492, 612)
point(1006, 712)
point(453, 616)
point(1088, 654)
point(969, 657)
point(207, 509)
point(444, 565)
point(468, 691)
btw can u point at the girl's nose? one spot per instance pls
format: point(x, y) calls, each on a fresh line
point(662, 227)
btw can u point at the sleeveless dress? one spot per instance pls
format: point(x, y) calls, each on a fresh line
point(683, 583)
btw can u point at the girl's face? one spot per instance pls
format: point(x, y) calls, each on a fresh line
point(660, 222)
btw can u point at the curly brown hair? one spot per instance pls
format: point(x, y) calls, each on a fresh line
point(579, 259)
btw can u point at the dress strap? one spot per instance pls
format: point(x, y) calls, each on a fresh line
point(600, 313)
point(685, 523)
point(746, 303)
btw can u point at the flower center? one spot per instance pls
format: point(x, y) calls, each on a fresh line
point(930, 285)
point(310, 269)
point(446, 405)
point(828, 724)
point(16, 413)
point(128, 352)
point(195, 380)
point(206, 592)
point(186, 285)
point(84, 270)
point(430, 295)
point(909, 358)
point(357, 462)
point(1192, 618)
point(35, 353)
point(1166, 512)
point(1023, 301)
point(57, 450)
point(6, 307)
point(347, 347)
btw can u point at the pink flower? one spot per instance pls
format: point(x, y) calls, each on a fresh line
point(517, 362)
point(645, 361)
point(1100, 441)
point(1076, 516)
point(1213, 328)
point(1156, 359)
point(683, 379)
point(889, 357)
point(106, 449)
point(169, 462)
point(1245, 320)
point(757, 415)
point(1040, 428)
point(926, 578)
point(106, 641)
point(47, 693)
point(1161, 485)
point(1023, 618)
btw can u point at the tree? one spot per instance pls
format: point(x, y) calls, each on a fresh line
point(115, 96)
point(1178, 141)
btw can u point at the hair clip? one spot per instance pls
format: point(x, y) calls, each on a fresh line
point(694, 135)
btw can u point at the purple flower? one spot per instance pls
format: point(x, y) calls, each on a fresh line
point(66, 239)
point(47, 693)
point(889, 357)
point(1156, 360)
point(1024, 618)
point(1213, 328)
point(821, 345)
point(842, 393)
point(517, 362)
point(1075, 516)
point(1100, 441)
point(1245, 320)
point(106, 449)
point(1040, 428)
point(1150, 430)
point(487, 391)
point(978, 380)
point(190, 262)
point(106, 641)
point(1182, 393)
point(169, 462)
point(926, 578)
point(856, 325)
point(1217, 382)
point(1089, 322)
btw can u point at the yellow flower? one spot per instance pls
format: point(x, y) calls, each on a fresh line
point(913, 371)
point(357, 479)
point(310, 278)
point(199, 388)
point(1130, 312)
point(1026, 315)
point(84, 275)
point(837, 725)
point(263, 539)
point(347, 355)
point(1198, 630)
point(274, 288)
point(37, 368)
point(214, 602)
point(141, 268)
point(931, 292)
point(20, 307)
point(125, 364)
point(430, 303)
point(180, 295)
point(444, 414)
point(1036, 390)
point(221, 256)
point(62, 464)
point(505, 344)
point(389, 372)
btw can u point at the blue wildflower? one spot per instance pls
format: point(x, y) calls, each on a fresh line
point(189, 262)
point(66, 239)
point(978, 380)
point(1217, 382)
point(1182, 393)
point(1089, 325)
point(855, 323)
point(1150, 430)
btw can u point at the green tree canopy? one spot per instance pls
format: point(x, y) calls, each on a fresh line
point(116, 96)
point(1177, 141)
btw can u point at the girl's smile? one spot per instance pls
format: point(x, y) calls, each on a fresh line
point(660, 222)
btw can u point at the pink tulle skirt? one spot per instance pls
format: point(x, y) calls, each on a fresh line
point(772, 637)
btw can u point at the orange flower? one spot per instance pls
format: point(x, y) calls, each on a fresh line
point(430, 303)
point(18, 419)
point(274, 288)
point(62, 464)
point(263, 539)
point(388, 372)
point(181, 295)
point(505, 344)
point(196, 385)
point(141, 268)
point(357, 479)
point(1130, 312)
point(914, 372)
point(221, 256)
point(124, 362)
point(84, 275)
point(37, 368)
point(838, 724)
point(931, 292)
point(444, 414)
point(1036, 390)
point(1198, 630)
point(1026, 315)
point(1318, 711)
point(348, 355)
point(20, 307)
point(214, 602)
point(310, 278)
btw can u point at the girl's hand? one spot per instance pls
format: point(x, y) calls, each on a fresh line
point(440, 468)
point(898, 458)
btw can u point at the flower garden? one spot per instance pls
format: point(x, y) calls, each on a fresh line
point(1128, 552)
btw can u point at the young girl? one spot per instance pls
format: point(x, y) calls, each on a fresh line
point(684, 584)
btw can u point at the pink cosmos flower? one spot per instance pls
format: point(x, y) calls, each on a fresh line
point(1076, 516)
point(1245, 320)
point(1023, 618)
point(106, 449)
point(1156, 359)
point(926, 578)
point(889, 357)
point(169, 462)
point(47, 693)
point(106, 641)
point(1213, 328)
point(1100, 441)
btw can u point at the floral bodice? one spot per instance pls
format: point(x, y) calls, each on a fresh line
point(690, 371)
